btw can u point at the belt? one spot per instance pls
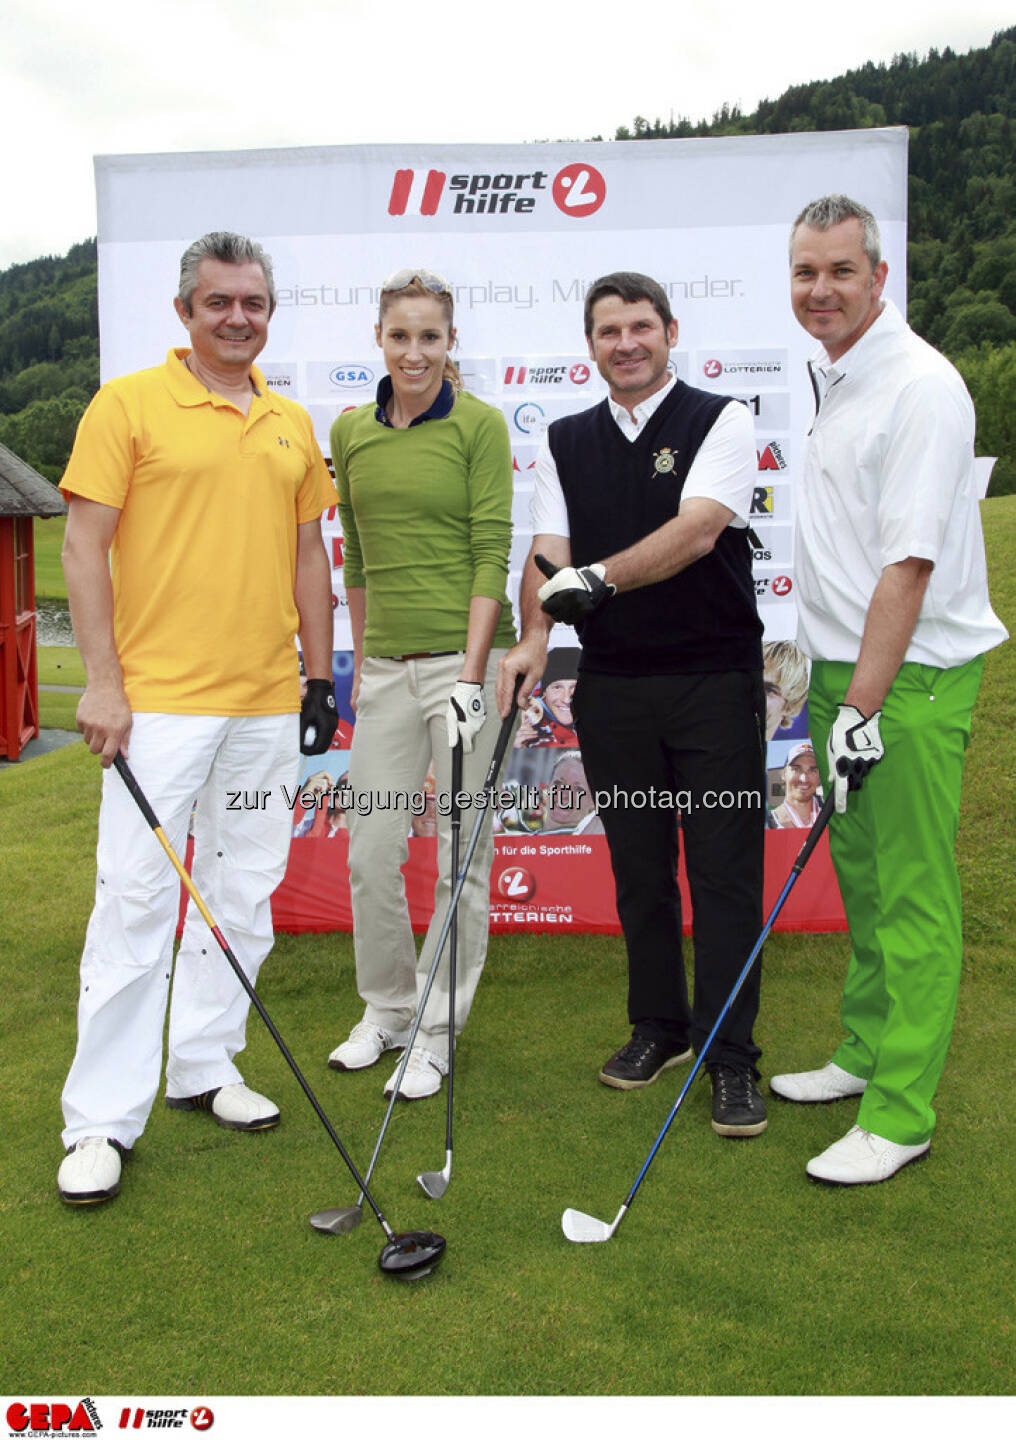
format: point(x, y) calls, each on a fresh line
point(424, 655)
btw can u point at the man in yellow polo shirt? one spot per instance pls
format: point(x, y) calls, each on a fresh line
point(193, 557)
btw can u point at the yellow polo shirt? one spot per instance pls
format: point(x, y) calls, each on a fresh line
point(204, 554)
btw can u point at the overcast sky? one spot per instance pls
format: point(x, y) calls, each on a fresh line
point(77, 80)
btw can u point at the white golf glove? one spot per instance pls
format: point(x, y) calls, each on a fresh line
point(467, 710)
point(854, 747)
point(570, 595)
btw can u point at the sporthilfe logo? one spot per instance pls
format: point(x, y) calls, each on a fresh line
point(578, 190)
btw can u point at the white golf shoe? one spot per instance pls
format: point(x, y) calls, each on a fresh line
point(365, 1046)
point(818, 1087)
point(423, 1076)
point(90, 1171)
point(233, 1106)
point(862, 1158)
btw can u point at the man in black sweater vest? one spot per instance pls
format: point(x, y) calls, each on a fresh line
point(642, 502)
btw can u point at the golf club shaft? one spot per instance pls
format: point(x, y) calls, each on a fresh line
point(453, 935)
point(500, 746)
point(128, 778)
point(802, 859)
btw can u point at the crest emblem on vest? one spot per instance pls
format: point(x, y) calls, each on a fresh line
point(664, 460)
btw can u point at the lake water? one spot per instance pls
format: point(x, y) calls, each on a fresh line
point(53, 623)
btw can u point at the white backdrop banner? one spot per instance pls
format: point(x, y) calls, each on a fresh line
point(520, 231)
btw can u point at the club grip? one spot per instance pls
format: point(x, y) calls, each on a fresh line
point(814, 835)
point(127, 776)
point(545, 566)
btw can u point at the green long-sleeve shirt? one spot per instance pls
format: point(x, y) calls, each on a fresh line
point(426, 515)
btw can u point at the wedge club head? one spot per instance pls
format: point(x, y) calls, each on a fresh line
point(412, 1255)
point(337, 1222)
point(435, 1182)
point(586, 1229)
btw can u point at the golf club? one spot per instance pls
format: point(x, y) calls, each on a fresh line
point(586, 1229)
point(341, 1221)
point(410, 1255)
point(435, 1182)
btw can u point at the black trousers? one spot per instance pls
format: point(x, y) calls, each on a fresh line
point(660, 747)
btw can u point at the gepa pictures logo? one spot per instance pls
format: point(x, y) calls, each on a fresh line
point(53, 1417)
point(578, 190)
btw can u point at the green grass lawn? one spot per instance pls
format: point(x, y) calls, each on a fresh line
point(58, 665)
point(733, 1274)
point(49, 576)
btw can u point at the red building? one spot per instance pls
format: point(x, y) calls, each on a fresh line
point(24, 494)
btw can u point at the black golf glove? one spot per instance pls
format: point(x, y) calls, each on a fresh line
point(318, 717)
point(854, 747)
point(570, 595)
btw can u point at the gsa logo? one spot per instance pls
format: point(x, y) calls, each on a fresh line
point(351, 377)
point(528, 417)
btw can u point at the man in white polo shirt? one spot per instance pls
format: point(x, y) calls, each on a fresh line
point(893, 609)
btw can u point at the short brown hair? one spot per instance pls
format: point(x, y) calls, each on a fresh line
point(629, 286)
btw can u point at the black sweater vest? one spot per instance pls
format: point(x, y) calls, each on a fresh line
point(617, 492)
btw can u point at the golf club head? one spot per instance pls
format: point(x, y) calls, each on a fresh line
point(586, 1229)
point(412, 1255)
point(337, 1222)
point(434, 1182)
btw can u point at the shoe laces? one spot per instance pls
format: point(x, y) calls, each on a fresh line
point(364, 1030)
point(734, 1085)
point(638, 1047)
point(423, 1060)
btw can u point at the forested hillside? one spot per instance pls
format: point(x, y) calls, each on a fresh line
point(961, 110)
point(49, 354)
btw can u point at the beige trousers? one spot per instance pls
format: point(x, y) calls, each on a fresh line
point(400, 728)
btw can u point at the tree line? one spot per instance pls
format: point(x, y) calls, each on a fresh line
point(961, 254)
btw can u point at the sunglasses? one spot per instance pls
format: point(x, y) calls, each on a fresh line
point(427, 278)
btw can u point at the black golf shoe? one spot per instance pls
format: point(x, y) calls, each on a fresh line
point(640, 1062)
point(738, 1109)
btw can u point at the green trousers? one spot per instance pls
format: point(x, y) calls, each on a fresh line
point(893, 852)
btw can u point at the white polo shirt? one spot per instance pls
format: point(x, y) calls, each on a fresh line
point(724, 469)
point(889, 473)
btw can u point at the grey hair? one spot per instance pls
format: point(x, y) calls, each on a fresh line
point(231, 249)
point(833, 210)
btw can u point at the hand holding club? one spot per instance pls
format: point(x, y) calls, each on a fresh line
point(570, 594)
point(319, 718)
point(855, 745)
point(467, 710)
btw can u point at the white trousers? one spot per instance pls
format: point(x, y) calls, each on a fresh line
point(400, 727)
point(234, 767)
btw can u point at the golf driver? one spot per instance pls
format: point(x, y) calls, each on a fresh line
point(343, 1220)
point(410, 1255)
point(435, 1182)
point(586, 1229)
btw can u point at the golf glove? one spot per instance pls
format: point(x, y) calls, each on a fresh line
point(467, 710)
point(854, 747)
point(318, 717)
point(570, 595)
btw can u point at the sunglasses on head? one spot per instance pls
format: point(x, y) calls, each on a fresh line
point(427, 279)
